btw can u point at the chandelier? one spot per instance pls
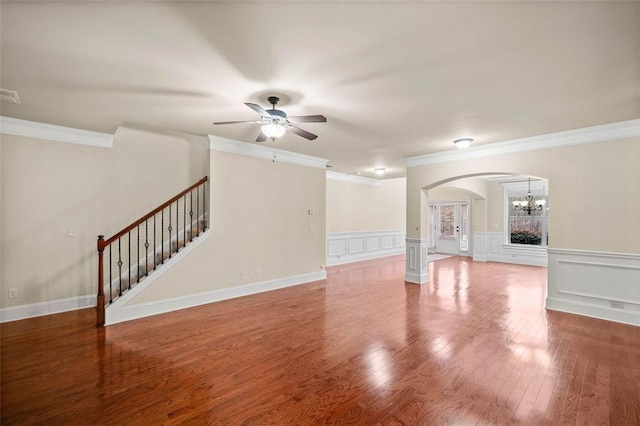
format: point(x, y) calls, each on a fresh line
point(529, 205)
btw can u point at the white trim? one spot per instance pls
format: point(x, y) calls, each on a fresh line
point(347, 247)
point(593, 311)
point(416, 264)
point(595, 284)
point(605, 132)
point(490, 247)
point(217, 143)
point(15, 313)
point(352, 178)
point(32, 129)
point(629, 256)
point(127, 313)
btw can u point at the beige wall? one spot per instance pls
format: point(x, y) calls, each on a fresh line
point(356, 207)
point(593, 192)
point(48, 187)
point(259, 220)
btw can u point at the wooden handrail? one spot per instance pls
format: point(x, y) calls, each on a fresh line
point(103, 243)
point(113, 238)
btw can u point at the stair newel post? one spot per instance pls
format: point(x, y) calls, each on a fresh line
point(100, 300)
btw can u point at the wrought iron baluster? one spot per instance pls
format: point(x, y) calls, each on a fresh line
point(184, 221)
point(191, 216)
point(204, 204)
point(146, 247)
point(155, 246)
point(138, 247)
point(169, 229)
point(198, 211)
point(129, 259)
point(162, 236)
point(119, 267)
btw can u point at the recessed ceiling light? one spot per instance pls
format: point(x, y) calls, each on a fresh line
point(463, 143)
point(380, 170)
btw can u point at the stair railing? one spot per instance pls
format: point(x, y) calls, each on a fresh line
point(186, 218)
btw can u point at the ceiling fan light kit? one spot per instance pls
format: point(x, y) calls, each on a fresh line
point(275, 122)
point(463, 143)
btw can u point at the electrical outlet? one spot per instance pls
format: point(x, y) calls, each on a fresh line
point(258, 273)
point(312, 228)
point(13, 293)
point(243, 275)
point(73, 232)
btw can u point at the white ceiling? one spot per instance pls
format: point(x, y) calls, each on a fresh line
point(394, 79)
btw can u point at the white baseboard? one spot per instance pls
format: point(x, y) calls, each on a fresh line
point(130, 312)
point(593, 311)
point(15, 313)
point(595, 284)
point(347, 247)
point(415, 278)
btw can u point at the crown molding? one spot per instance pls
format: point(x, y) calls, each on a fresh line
point(351, 178)
point(51, 132)
point(217, 143)
point(602, 133)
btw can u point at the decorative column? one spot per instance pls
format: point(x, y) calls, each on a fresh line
point(416, 271)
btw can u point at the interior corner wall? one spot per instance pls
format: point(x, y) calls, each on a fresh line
point(356, 207)
point(260, 225)
point(50, 190)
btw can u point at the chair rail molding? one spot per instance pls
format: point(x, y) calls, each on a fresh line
point(416, 271)
point(595, 284)
point(347, 247)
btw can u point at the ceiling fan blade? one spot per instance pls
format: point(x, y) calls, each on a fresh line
point(261, 137)
point(300, 132)
point(258, 109)
point(308, 119)
point(235, 122)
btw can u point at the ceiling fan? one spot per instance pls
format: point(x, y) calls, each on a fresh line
point(275, 122)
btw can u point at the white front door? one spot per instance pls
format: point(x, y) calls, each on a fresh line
point(448, 229)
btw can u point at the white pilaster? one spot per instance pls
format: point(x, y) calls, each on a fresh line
point(416, 261)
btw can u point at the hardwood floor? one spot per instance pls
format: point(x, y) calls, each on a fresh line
point(473, 346)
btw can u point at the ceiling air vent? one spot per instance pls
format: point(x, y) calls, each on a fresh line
point(9, 96)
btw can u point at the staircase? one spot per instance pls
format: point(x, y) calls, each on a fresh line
point(135, 252)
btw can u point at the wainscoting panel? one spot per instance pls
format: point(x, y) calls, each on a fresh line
point(490, 247)
point(416, 261)
point(595, 284)
point(346, 247)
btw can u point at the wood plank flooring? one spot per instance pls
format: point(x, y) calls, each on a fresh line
point(473, 346)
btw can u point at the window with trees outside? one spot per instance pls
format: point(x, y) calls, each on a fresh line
point(526, 218)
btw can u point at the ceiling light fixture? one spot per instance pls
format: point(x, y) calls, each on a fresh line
point(273, 130)
point(463, 143)
point(529, 204)
point(380, 170)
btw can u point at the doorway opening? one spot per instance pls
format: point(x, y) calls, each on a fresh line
point(449, 227)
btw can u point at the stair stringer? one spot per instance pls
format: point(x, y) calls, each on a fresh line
point(114, 310)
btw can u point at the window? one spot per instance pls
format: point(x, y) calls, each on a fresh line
point(524, 226)
point(447, 222)
point(464, 225)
